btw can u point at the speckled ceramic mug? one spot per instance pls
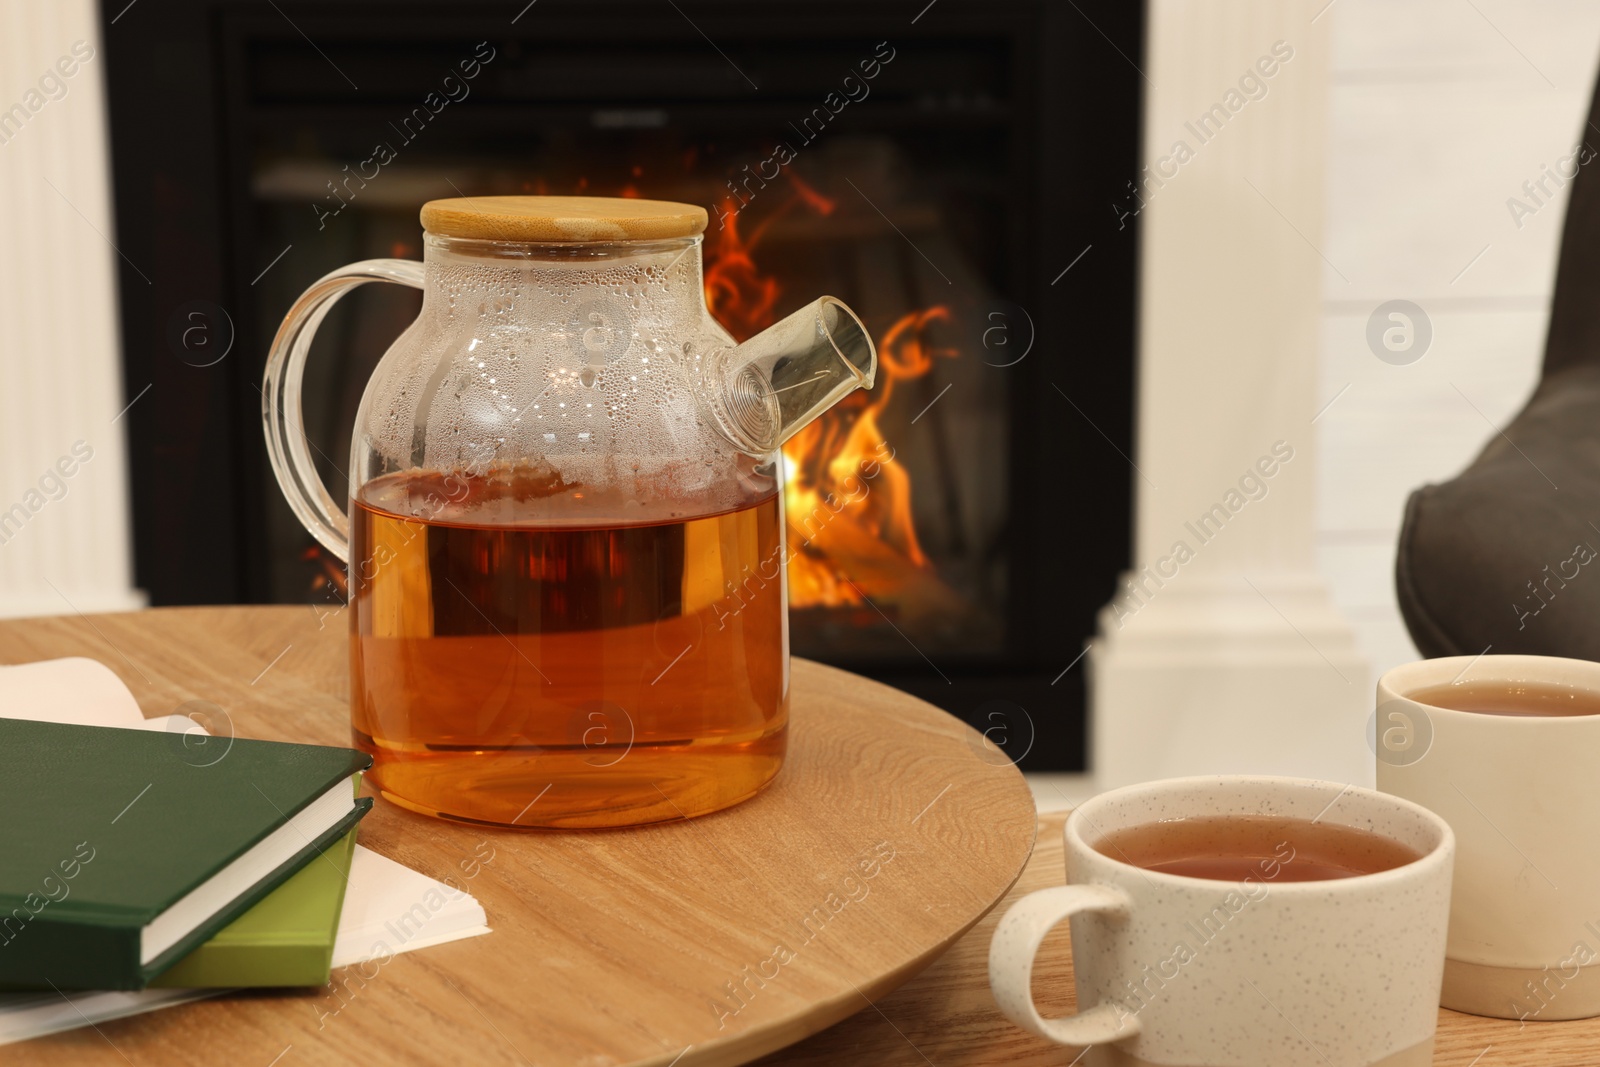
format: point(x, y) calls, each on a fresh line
point(1174, 971)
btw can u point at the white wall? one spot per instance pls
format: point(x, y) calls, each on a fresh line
point(1439, 110)
point(68, 547)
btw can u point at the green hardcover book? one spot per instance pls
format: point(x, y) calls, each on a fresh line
point(118, 857)
point(285, 940)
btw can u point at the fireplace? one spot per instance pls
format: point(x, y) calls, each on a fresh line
point(940, 172)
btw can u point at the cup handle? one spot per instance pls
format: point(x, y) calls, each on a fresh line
point(1016, 942)
point(302, 486)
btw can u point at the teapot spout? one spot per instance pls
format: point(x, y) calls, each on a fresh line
point(766, 390)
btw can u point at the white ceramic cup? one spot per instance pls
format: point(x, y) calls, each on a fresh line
point(1192, 972)
point(1523, 795)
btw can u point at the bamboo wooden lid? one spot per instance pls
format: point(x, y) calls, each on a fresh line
point(561, 218)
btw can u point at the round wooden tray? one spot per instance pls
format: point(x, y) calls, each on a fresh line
point(889, 832)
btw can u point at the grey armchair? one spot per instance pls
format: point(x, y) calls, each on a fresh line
point(1507, 554)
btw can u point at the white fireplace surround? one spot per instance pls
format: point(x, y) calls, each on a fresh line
point(65, 538)
point(1223, 651)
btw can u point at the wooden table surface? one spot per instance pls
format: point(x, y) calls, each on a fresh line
point(889, 831)
point(945, 1016)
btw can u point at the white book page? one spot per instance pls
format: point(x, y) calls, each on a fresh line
point(72, 690)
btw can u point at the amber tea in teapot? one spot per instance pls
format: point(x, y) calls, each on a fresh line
point(606, 650)
point(565, 539)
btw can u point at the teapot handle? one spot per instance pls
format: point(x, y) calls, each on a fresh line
point(280, 396)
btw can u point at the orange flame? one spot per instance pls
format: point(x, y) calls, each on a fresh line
point(848, 502)
point(846, 497)
point(333, 572)
point(822, 205)
point(738, 294)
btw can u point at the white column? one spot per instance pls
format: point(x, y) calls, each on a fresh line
point(1228, 655)
point(64, 519)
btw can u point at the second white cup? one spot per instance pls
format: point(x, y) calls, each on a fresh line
point(1523, 795)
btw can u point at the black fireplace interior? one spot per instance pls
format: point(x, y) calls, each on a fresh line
point(942, 172)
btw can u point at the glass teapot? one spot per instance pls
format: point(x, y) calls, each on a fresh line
point(565, 537)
